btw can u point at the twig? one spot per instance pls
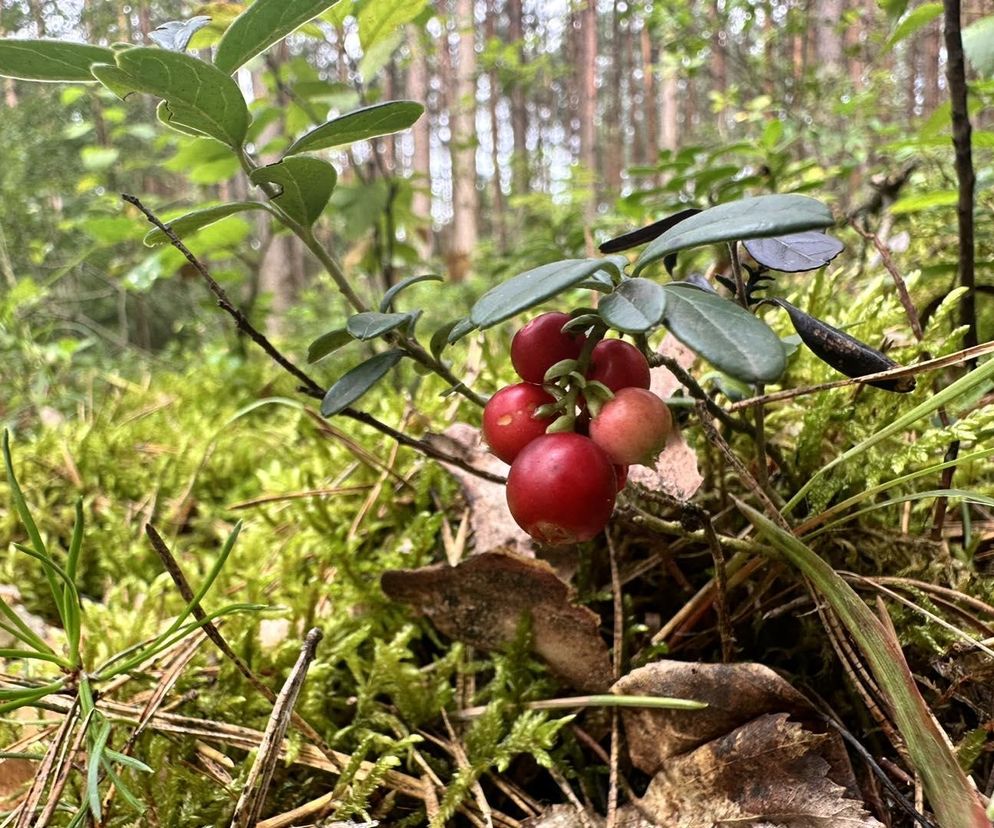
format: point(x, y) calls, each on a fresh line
point(618, 656)
point(249, 807)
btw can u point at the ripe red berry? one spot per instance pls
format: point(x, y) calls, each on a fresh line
point(509, 423)
point(632, 427)
point(618, 365)
point(541, 344)
point(561, 489)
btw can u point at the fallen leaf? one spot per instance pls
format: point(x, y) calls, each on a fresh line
point(493, 527)
point(768, 771)
point(675, 471)
point(482, 600)
point(562, 816)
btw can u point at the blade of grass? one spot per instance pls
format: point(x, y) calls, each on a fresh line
point(964, 384)
point(24, 513)
point(93, 764)
point(7, 652)
point(967, 496)
point(955, 802)
point(121, 788)
point(67, 597)
point(128, 761)
point(818, 519)
point(72, 562)
point(22, 631)
point(23, 698)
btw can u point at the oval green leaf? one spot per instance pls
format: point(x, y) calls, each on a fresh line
point(748, 218)
point(636, 306)
point(358, 381)
point(796, 253)
point(370, 324)
point(387, 302)
point(327, 343)
point(305, 186)
point(197, 95)
point(51, 61)
point(261, 25)
point(725, 334)
point(370, 122)
point(533, 287)
point(191, 222)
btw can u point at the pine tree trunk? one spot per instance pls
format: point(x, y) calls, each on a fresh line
point(463, 118)
point(499, 212)
point(417, 90)
point(613, 147)
point(588, 95)
point(828, 39)
point(520, 176)
point(649, 104)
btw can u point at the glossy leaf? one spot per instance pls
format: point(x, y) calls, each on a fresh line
point(725, 334)
point(175, 35)
point(305, 186)
point(535, 286)
point(51, 60)
point(387, 302)
point(636, 306)
point(370, 324)
point(358, 381)
point(370, 122)
point(795, 253)
point(647, 233)
point(379, 19)
point(978, 44)
point(327, 343)
point(748, 218)
point(197, 96)
point(261, 25)
point(191, 222)
point(460, 329)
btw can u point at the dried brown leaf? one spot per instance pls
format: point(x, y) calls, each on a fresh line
point(768, 771)
point(482, 600)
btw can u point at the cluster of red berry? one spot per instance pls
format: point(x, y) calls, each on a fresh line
point(571, 434)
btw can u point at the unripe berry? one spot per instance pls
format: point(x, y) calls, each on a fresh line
point(632, 427)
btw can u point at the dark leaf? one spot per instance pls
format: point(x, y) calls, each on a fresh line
point(646, 234)
point(327, 343)
point(843, 352)
point(795, 253)
point(371, 122)
point(51, 60)
point(305, 186)
point(724, 333)
point(358, 381)
point(440, 338)
point(636, 306)
point(460, 329)
point(371, 324)
point(748, 218)
point(535, 286)
point(387, 302)
point(175, 35)
point(261, 25)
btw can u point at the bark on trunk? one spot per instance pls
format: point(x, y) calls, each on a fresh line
point(588, 96)
point(463, 116)
point(520, 177)
point(417, 90)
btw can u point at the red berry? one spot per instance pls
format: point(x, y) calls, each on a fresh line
point(618, 365)
point(509, 423)
point(561, 489)
point(541, 344)
point(632, 427)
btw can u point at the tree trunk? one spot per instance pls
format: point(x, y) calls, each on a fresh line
point(520, 176)
point(828, 40)
point(912, 76)
point(613, 141)
point(463, 117)
point(417, 90)
point(588, 96)
point(931, 47)
point(499, 217)
point(649, 106)
point(671, 111)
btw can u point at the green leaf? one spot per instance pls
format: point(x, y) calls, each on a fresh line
point(949, 792)
point(636, 306)
point(925, 201)
point(387, 302)
point(261, 25)
point(327, 343)
point(351, 386)
point(93, 769)
point(724, 333)
point(440, 338)
point(535, 286)
point(370, 122)
point(305, 186)
point(913, 21)
point(175, 34)
point(51, 60)
point(382, 18)
point(191, 222)
point(748, 218)
point(371, 324)
point(197, 96)
point(978, 44)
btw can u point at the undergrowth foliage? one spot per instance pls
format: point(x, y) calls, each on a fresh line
point(324, 515)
